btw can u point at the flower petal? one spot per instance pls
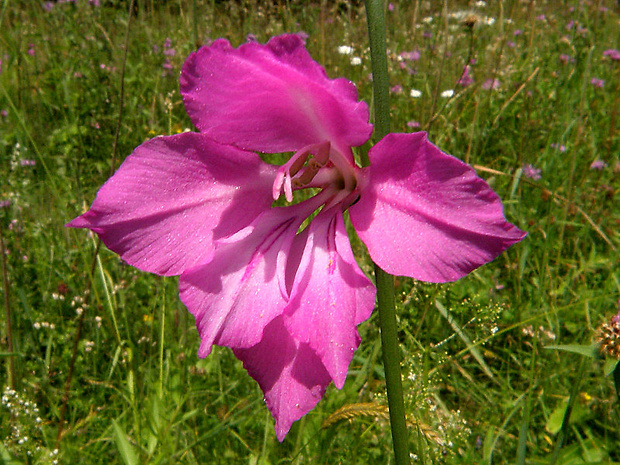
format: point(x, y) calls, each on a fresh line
point(270, 98)
point(173, 196)
point(330, 295)
point(290, 374)
point(426, 214)
point(238, 293)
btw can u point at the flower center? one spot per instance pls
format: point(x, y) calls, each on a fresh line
point(313, 166)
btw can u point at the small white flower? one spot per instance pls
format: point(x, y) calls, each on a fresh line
point(356, 61)
point(481, 3)
point(415, 93)
point(427, 20)
point(36, 325)
point(345, 50)
point(447, 93)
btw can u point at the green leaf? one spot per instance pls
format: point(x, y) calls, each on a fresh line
point(125, 448)
point(554, 423)
point(588, 351)
point(610, 366)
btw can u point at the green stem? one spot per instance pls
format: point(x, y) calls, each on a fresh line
point(378, 56)
point(7, 313)
point(386, 303)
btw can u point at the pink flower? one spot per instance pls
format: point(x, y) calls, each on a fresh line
point(466, 79)
point(411, 56)
point(288, 299)
point(598, 165)
point(597, 82)
point(530, 171)
point(612, 54)
point(491, 84)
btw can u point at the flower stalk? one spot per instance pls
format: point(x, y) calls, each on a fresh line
point(7, 313)
point(386, 303)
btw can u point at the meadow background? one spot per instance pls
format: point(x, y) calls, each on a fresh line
point(104, 356)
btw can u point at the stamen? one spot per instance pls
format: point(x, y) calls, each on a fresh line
point(286, 176)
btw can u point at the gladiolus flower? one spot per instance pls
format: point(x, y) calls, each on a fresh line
point(284, 293)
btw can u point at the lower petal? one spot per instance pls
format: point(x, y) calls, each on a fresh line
point(425, 214)
point(330, 295)
point(290, 374)
point(235, 295)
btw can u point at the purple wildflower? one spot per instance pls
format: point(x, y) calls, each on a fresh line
point(4, 113)
point(4, 203)
point(529, 171)
point(413, 124)
point(597, 82)
point(564, 58)
point(491, 84)
point(598, 165)
point(48, 6)
point(612, 53)
point(560, 147)
point(286, 301)
point(411, 56)
point(465, 79)
point(397, 89)
point(517, 32)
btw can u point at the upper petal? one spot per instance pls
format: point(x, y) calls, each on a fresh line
point(173, 196)
point(330, 295)
point(426, 214)
point(270, 98)
point(242, 289)
point(290, 374)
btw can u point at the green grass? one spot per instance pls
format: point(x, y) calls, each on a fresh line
point(480, 385)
